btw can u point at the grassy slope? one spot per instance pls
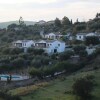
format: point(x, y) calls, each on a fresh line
point(27, 89)
point(58, 88)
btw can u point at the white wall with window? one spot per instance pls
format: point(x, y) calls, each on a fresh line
point(80, 37)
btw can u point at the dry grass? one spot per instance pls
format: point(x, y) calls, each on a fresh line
point(28, 89)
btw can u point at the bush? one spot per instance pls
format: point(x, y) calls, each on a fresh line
point(18, 63)
point(39, 61)
point(30, 50)
point(6, 96)
point(16, 51)
point(98, 51)
point(36, 63)
point(83, 87)
point(79, 48)
point(83, 53)
point(65, 55)
point(34, 72)
point(92, 40)
point(6, 51)
point(35, 51)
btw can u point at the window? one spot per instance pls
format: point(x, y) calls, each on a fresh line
point(23, 44)
point(36, 45)
point(80, 37)
point(58, 44)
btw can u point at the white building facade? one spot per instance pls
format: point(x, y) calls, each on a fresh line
point(91, 34)
point(50, 36)
point(24, 43)
point(51, 46)
point(56, 36)
point(81, 36)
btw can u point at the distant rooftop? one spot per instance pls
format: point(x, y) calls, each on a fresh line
point(82, 34)
point(18, 41)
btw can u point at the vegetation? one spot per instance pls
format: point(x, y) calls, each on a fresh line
point(44, 66)
point(83, 87)
point(92, 40)
point(60, 89)
point(5, 96)
point(26, 90)
point(79, 48)
point(61, 67)
point(65, 55)
point(65, 25)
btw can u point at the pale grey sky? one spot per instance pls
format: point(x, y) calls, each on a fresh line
point(35, 10)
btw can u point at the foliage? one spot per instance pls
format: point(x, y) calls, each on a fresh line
point(65, 55)
point(35, 72)
point(57, 22)
point(17, 32)
point(59, 89)
point(81, 26)
point(39, 61)
point(98, 51)
point(12, 58)
point(35, 51)
point(83, 87)
point(65, 21)
point(68, 67)
point(12, 51)
point(83, 53)
point(18, 63)
point(6, 96)
point(92, 40)
point(79, 48)
point(50, 71)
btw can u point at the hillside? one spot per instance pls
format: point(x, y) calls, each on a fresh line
point(5, 24)
point(59, 89)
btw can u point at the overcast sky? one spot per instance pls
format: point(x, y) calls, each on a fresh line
point(35, 10)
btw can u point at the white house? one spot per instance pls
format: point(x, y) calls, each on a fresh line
point(71, 37)
point(81, 36)
point(59, 35)
point(50, 36)
point(54, 36)
point(51, 46)
point(90, 50)
point(23, 43)
point(41, 22)
point(91, 34)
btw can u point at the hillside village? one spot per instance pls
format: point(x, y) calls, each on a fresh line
point(49, 49)
point(52, 43)
point(34, 57)
point(47, 43)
